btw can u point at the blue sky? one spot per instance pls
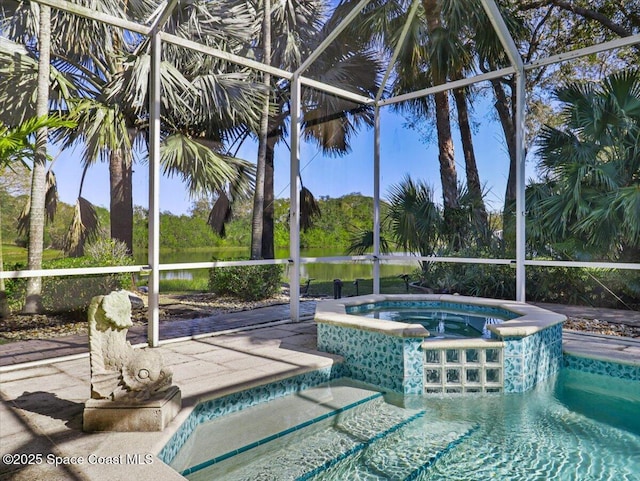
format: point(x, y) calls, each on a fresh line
point(402, 152)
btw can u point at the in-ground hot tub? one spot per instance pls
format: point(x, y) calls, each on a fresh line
point(512, 355)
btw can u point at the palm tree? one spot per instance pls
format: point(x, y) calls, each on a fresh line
point(15, 147)
point(413, 218)
point(202, 97)
point(297, 29)
point(439, 65)
point(39, 170)
point(592, 167)
point(257, 221)
point(443, 42)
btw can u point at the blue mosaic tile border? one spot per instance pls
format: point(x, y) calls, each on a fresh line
point(255, 444)
point(606, 368)
point(469, 308)
point(214, 408)
point(532, 359)
point(390, 362)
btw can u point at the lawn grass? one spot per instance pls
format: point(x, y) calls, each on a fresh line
point(13, 254)
point(184, 285)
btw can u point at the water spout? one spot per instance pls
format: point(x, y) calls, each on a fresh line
point(486, 333)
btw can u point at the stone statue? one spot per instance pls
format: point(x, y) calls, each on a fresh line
point(118, 371)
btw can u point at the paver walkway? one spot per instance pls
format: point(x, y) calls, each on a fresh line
point(34, 350)
point(618, 316)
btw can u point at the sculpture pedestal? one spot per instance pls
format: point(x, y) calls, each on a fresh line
point(151, 415)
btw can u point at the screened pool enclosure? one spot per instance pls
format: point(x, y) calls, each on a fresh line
point(155, 32)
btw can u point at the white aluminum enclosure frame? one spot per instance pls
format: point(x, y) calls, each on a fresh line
point(297, 80)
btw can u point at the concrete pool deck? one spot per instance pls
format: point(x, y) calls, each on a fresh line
point(41, 406)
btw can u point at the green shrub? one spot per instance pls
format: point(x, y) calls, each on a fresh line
point(249, 283)
point(584, 286)
point(15, 289)
point(480, 280)
point(561, 285)
point(72, 294)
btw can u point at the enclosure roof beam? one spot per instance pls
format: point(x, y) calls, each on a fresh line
point(496, 19)
point(332, 36)
point(183, 42)
point(214, 52)
point(396, 52)
point(144, 30)
point(456, 84)
point(583, 52)
point(338, 92)
point(96, 15)
point(190, 44)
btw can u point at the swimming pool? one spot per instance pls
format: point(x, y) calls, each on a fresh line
point(575, 425)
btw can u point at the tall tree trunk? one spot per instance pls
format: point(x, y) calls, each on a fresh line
point(471, 167)
point(506, 115)
point(33, 300)
point(446, 157)
point(268, 248)
point(121, 198)
point(257, 226)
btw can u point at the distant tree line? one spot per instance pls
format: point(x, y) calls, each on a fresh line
point(334, 225)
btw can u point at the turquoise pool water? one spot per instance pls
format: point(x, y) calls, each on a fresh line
point(574, 426)
point(460, 322)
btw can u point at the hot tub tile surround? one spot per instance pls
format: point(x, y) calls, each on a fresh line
point(392, 354)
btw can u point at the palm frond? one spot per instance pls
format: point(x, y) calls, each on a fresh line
point(309, 209)
point(83, 228)
point(361, 243)
point(413, 217)
point(22, 223)
point(50, 206)
point(51, 196)
point(220, 214)
point(200, 166)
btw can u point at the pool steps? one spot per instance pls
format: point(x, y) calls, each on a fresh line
point(315, 442)
point(270, 420)
point(402, 454)
point(329, 441)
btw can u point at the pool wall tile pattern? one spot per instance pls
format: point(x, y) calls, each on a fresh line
point(214, 408)
point(387, 361)
point(613, 369)
point(498, 312)
point(532, 359)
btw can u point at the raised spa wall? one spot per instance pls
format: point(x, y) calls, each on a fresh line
point(400, 357)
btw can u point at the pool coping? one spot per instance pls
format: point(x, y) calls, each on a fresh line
point(531, 319)
point(601, 347)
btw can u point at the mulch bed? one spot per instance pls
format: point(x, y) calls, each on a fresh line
point(191, 306)
point(20, 327)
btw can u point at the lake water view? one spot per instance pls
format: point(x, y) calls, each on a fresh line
point(321, 271)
